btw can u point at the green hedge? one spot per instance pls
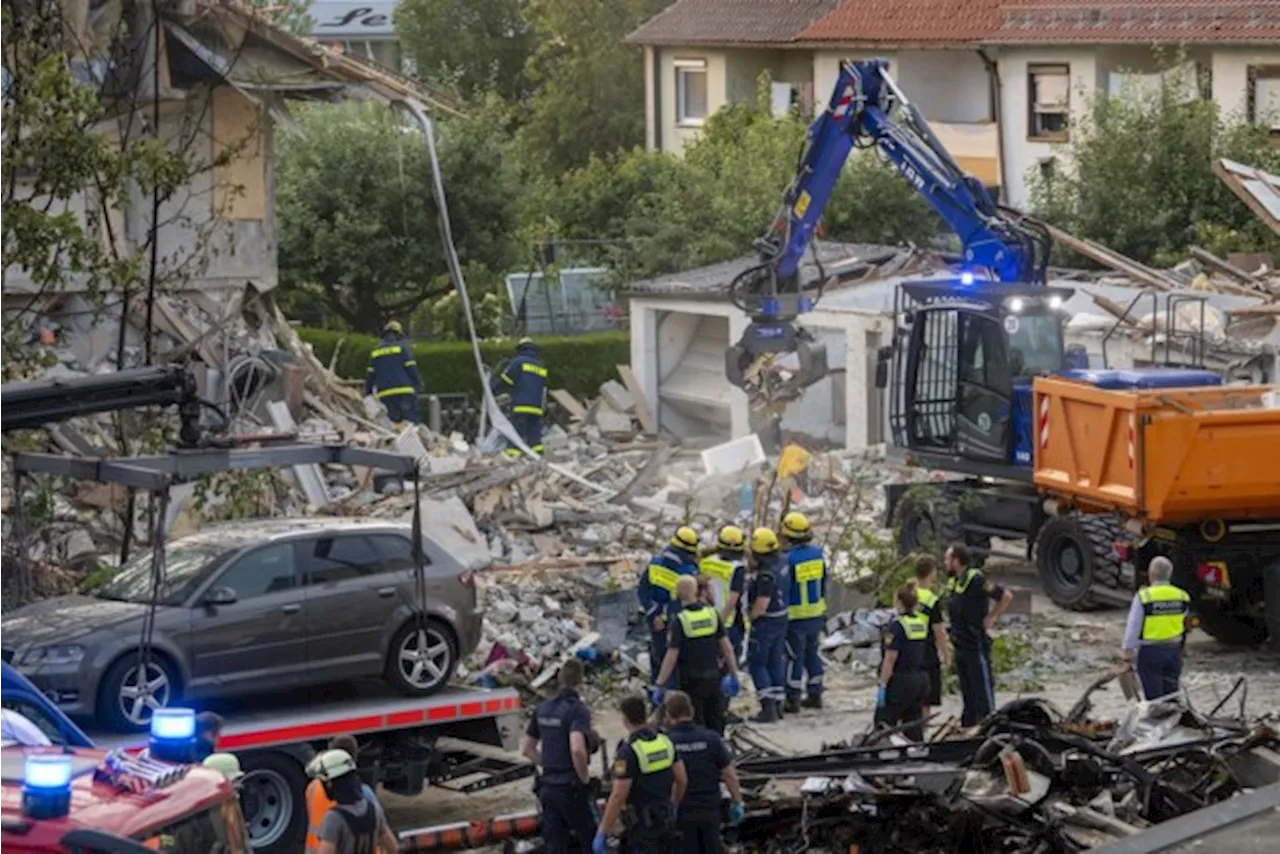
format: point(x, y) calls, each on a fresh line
point(579, 364)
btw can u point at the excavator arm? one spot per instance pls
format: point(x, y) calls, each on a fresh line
point(867, 109)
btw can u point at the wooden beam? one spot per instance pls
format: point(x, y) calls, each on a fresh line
point(1113, 260)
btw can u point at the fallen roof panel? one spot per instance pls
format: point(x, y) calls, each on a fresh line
point(1258, 189)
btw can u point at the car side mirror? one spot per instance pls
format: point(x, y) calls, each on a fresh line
point(883, 357)
point(220, 596)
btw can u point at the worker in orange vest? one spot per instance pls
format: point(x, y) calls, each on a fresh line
point(318, 803)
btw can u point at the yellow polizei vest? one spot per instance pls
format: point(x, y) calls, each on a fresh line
point(1164, 609)
point(699, 622)
point(963, 585)
point(664, 577)
point(654, 754)
point(916, 627)
point(926, 597)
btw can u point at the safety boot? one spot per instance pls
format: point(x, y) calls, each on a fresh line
point(813, 701)
point(768, 713)
point(791, 707)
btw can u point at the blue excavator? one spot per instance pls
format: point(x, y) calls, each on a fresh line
point(965, 348)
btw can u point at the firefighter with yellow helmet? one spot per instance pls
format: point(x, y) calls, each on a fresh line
point(657, 591)
point(806, 612)
point(767, 605)
point(724, 570)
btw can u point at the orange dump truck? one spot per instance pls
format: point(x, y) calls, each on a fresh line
point(1192, 473)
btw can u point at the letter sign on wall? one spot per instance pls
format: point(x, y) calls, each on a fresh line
point(352, 20)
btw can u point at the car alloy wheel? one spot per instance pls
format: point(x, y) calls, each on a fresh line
point(424, 658)
point(139, 698)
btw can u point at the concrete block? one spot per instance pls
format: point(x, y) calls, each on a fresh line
point(450, 525)
point(616, 395)
point(733, 456)
point(614, 424)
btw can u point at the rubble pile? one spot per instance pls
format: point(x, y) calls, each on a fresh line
point(1031, 778)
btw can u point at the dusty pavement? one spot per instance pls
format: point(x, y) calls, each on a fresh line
point(1064, 652)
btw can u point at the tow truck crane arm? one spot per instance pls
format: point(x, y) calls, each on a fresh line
point(995, 242)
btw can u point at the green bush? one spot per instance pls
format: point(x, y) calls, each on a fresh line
point(579, 364)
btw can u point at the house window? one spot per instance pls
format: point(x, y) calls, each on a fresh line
point(691, 91)
point(1049, 89)
point(1264, 96)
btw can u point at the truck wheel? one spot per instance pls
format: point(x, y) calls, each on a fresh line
point(125, 703)
point(926, 521)
point(421, 662)
point(273, 798)
point(1072, 555)
point(1230, 628)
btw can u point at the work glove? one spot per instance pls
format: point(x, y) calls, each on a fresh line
point(656, 693)
point(880, 692)
point(737, 812)
point(729, 686)
point(600, 845)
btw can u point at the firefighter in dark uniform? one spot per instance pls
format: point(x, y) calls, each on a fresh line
point(904, 685)
point(696, 642)
point(767, 605)
point(525, 379)
point(649, 780)
point(393, 373)
point(968, 592)
point(657, 591)
point(708, 763)
point(558, 741)
point(937, 650)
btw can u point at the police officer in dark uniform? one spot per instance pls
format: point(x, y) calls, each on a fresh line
point(904, 685)
point(649, 780)
point(708, 763)
point(968, 591)
point(525, 379)
point(562, 727)
point(696, 643)
point(393, 373)
point(931, 609)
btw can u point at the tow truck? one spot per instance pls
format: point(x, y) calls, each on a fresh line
point(459, 738)
point(967, 376)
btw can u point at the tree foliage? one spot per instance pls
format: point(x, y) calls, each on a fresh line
point(1138, 176)
point(470, 46)
point(357, 219)
point(710, 205)
point(588, 86)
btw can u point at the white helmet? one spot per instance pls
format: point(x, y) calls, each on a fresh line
point(330, 765)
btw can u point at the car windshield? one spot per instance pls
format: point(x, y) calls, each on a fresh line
point(185, 566)
point(217, 829)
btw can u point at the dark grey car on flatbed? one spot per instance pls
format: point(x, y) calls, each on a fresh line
point(251, 606)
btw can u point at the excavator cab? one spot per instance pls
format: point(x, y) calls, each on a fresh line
point(959, 372)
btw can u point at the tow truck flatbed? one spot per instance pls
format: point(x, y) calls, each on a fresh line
point(275, 720)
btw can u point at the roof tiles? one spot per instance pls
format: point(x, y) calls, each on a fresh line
point(730, 21)
point(910, 21)
point(1143, 21)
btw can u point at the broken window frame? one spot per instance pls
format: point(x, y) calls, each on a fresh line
point(1270, 73)
point(685, 71)
point(1036, 110)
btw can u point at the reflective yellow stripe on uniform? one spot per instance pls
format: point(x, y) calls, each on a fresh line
point(654, 754)
point(1164, 609)
point(926, 597)
point(806, 572)
point(916, 627)
point(720, 575)
point(392, 350)
point(400, 389)
point(698, 622)
point(534, 369)
point(963, 585)
point(527, 410)
point(664, 577)
point(506, 379)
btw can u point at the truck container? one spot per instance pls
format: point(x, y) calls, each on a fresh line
point(1189, 473)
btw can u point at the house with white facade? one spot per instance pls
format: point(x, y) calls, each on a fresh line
point(1002, 82)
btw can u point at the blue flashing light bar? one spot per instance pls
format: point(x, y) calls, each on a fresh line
point(173, 734)
point(46, 786)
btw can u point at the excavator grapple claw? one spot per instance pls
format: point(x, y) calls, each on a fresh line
point(753, 363)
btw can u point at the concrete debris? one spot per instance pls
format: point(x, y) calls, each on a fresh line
point(616, 397)
point(734, 456)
